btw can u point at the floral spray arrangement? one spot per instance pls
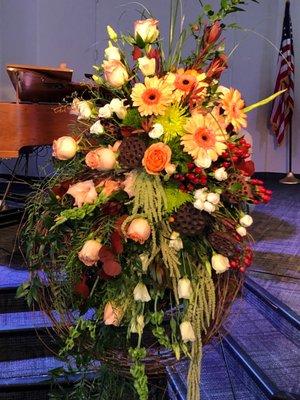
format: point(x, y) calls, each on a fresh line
point(145, 219)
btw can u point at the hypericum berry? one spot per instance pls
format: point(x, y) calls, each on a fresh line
point(198, 170)
point(191, 165)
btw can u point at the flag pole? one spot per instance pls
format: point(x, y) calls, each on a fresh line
point(290, 178)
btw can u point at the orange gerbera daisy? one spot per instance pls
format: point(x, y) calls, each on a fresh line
point(186, 81)
point(233, 106)
point(152, 97)
point(205, 138)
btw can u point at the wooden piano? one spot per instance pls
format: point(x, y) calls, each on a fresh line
point(35, 118)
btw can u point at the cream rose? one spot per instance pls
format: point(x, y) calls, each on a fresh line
point(187, 332)
point(115, 73)
point(112, 53)
point(64, 148)
point(83, 193)
point(220, 174)
point(85, 111)
point(184, 288)
point(141, 293)
point(246, 220)
point(89, 254)
point(147, 65)
point(146, 29)
point(220, 263)
point(103, 159)
point(139, 230)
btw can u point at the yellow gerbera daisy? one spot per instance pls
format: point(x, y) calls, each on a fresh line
point(152, 97)
point(205, 138)
point(233, 106)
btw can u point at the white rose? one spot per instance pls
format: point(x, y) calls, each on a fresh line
point(241, 231)
point(246, 220)
point(117, 106)
point(146, 29)
point(184, 288)
point(147, 65)
point(209, 207)
point(199, 204)
point(84, 110)
point(64, 148)
point(175, 241)
point(213, 198)
point(220, 174)
point(105, 111)
point(187, 332)
point(157, 131)
point(97, 128)
point(170, 169)
point(220, 263)
point(141, 293)
point(115, 73)
point(203, 162)
point(201, 194)
point(112, 53)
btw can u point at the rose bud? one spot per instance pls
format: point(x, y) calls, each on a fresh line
point(115, 73)
point(187, 332)
point(97, 128)
point(241, 231)
point(83, 193)
point(112, 34)
point(103, 159)
point(246, 221)
point(212, 33)
point(220, 174)
point(184, 288)
point(147, 65)
point(146, 29)
point(112, 53)
point(220, 263)
point(64, 148)
point(139, 230)
point(213, 198)
point(112, 314)
point(140, 293)
point(89, 254)
point(156, 131)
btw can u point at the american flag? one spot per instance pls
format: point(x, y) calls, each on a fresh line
point(283, 106)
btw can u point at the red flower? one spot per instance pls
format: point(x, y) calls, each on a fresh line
point(217, 66)
point(136, 53)
point(246, 166)
point(212, 33)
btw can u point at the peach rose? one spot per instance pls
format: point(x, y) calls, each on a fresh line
point(83, 193)
point(112, 315)
point(139, 230)
point(109, 186)
point(129, 183)
point(103, 159)
point(89, 254)
point(146, 29)
point(156, 158)
point(64, 148)
point(115, 73)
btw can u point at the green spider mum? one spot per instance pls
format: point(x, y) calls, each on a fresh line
point(173, 122)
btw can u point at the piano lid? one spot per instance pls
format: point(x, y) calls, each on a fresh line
point(41, 84)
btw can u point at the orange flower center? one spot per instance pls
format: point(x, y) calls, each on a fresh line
point(185, 82)
point(151, 96)
point(205, 138)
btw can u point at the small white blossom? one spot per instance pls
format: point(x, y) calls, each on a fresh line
point(184, 288)
point(213, 198)
point(209, 207)
point(157, 131)
point(246, 220)
point(117, 106)
point(241, 231)
point(201, 194)
point(187, 332)
point(140, 293)
point(105, 111)
point(199, 204)
point(220, 174)
point(220, 263)
point(112, 53)
point(175, 241)
point(97, 128)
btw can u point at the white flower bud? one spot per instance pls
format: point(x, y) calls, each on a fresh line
point(209, 207)
point(112, 34)
point(147, 65)
point(220, 263)
point(84, 110)
point(105, 111)
point(184, 288)
point(213, 198)
point(246, 220)
point(201, 194)
point(187, 332)
point(199, 204)
point(241, 231)
point(117, 106)
point(220, 174)
point(157, 131)
point(141, 293)
point(203, 162)
point(175, 241)
point(137, 325)
point(145, 261)
point(112, 53)
point(97, 128)
point(170, 169)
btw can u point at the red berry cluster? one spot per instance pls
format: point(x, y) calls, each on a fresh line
point(194, 179)
point(243, 261)
point(261, 194)
point(235, 152)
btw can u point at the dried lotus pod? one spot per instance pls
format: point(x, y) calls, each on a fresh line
point(188, 220)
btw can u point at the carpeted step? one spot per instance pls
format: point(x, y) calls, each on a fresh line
point(276, 355)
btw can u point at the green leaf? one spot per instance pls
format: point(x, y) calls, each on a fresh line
point(175, 198)
point(132, 118)
point(235, 187)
